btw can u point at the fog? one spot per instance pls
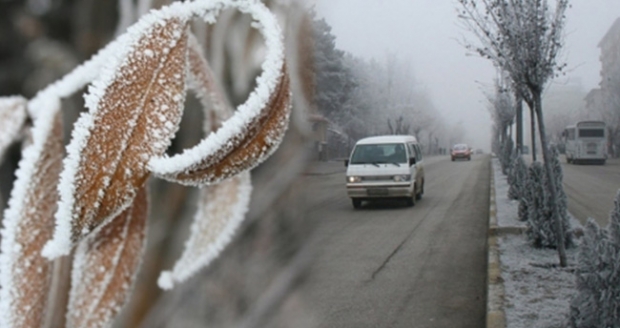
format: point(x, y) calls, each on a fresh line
point(427, 33)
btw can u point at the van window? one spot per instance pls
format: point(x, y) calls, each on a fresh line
point(412, 152)
point(379, 153)
point(419, 153)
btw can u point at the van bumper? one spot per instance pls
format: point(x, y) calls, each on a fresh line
point(379, 191)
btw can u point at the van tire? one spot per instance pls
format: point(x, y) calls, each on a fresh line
point(411, 200)
point(357, 203)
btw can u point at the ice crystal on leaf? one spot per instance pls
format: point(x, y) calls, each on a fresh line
point(252, 133)
point(105, 267)
point(221, 209)
point(25, 275)
point(96, 197)
point(12, 117)
point(121, 131)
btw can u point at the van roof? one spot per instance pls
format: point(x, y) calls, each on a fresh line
point(386, 139)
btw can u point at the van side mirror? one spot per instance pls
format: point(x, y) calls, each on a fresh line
point(411, 161)
point(346, 163)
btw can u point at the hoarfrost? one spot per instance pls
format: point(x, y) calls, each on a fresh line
point(221, 210)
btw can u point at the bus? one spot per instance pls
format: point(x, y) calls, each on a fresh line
point(585, 142)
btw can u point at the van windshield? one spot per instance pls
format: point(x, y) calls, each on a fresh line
point(379, 153)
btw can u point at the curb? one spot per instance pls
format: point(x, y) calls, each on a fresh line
point(496, 317)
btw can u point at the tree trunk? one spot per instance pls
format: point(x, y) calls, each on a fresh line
point(519, 110)
point(550, 176)
point(533, 129)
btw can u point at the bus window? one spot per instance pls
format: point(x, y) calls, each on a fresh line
point(591, 133)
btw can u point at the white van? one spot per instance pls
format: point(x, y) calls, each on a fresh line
point(385, 167)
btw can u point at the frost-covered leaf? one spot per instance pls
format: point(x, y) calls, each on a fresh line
point(12, 118)
point(25, 275)
point(134, 111)
point(105, 267)
point(221, 209)
point(253, 132)
point(239, 148)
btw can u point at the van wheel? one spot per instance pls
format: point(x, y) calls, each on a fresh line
point(411, 200)
point(357, 203)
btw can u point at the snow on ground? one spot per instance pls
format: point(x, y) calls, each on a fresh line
point(538, 291)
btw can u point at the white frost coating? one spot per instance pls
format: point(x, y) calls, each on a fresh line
point(9, 248)
point(12, 117)
point(82, 267)
point(267, 25)
point(115, 56)
point(217, 217)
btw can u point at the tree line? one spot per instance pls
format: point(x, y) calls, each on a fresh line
point(365, 97)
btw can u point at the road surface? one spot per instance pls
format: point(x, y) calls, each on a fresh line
point(591, 189)
point(388, 265)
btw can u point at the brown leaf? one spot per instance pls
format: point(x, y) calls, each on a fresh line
point(105, 267)
point(26, 275)
point(247, 149)
point(136, 118)
point(12, 118)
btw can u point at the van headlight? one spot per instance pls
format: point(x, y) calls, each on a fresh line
point(353, 179)
point(402, 178)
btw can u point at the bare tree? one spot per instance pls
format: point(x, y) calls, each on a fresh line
point(523, 37)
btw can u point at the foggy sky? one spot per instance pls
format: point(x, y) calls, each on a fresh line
point(427, 33)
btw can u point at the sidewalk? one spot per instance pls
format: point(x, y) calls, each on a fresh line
point(526, 287)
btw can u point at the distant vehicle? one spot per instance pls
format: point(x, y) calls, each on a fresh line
point(585, 142)
point(478, 151)
point(460, 151)
point(385, 167)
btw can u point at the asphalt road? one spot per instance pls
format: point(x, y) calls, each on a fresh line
point(591, 189)
point(388, 265)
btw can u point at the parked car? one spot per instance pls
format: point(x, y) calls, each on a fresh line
point(385, 167)
point(460, 151)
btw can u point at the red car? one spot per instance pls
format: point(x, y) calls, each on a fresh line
point(460, 151)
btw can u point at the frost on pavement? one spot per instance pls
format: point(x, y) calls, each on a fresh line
point(25, 276)
point(256, 128)
point(134, 111)
point(12, 117)
point(221, 209)
point(105, 267)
